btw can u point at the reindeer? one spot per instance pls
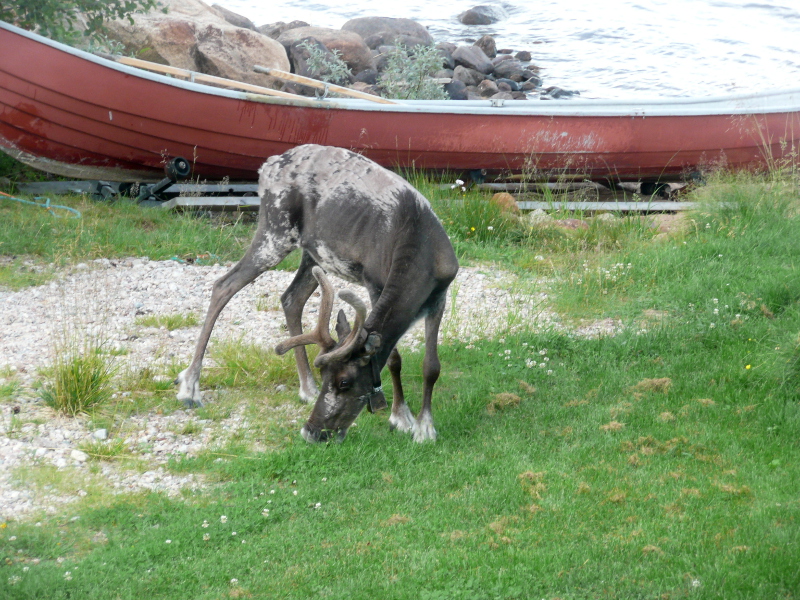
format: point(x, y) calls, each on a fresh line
point(367, 225)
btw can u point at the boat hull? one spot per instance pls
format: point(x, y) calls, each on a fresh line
point(75, 114)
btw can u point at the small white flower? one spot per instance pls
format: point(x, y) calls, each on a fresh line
point(12, 538)
point(463, 189)
point(716, 311)
point(233, 533)
point(549, 371)
point(265, 512)
point(223, 519)
point(542, 352)
point(542, 365)
point(272, 491)
point(324, 479)
point(168, 542)
point(205, 523)
point(294, 493)
point(715, 300)
point(25, 569)
point(490, 228)
point(206, 537)
point(696, 583)
point(14, 580)
point(459, 182)
point(712, 325)
point(234, 581)
point(68, 576)
point(318, 505)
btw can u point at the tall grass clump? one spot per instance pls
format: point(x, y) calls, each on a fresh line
point(79, 380)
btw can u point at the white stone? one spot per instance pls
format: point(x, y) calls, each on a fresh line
point(79, 455)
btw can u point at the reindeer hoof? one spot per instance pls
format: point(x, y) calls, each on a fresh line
point(189, 403)
point(402, 420)
point(424, 430)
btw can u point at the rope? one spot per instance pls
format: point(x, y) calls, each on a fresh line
point(46, 205)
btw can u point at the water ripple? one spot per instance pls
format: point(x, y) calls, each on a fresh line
point(616, 48)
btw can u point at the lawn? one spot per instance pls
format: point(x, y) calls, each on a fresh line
point(659, 462)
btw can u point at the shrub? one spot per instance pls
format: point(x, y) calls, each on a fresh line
point(327, 66)
point(407, 75)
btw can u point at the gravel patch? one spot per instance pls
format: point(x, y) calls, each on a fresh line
point(103, 299)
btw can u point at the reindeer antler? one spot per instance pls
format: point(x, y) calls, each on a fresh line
point(352, 340)
point(321, 335)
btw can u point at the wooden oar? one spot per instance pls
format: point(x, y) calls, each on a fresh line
point(200, 77)
point(321, 85)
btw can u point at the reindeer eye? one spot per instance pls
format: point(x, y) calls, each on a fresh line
point(345, 384)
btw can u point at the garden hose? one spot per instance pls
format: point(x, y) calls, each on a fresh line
point(46, 205)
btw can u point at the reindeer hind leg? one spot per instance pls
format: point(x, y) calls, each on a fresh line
point(431, 367)
point(293, 300)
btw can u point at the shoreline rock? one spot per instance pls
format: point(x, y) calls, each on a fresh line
point(214, 40)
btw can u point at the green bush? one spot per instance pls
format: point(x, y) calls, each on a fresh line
point(408, 72)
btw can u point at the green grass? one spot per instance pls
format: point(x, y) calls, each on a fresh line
point(659, 463)
point(170, 322)
point(241, 365)
point(116, 230)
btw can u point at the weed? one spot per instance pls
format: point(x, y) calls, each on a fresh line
point(104, 450)
point(9, 385)
point(169, 322)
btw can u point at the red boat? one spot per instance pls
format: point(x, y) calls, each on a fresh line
point(76, 114)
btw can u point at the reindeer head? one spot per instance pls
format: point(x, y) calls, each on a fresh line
point(346, 367)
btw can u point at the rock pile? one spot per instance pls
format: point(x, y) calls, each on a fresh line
point(216, 41)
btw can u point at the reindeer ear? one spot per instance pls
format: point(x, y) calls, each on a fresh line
point(373, 343)
point(342, 326)
point(371, 346)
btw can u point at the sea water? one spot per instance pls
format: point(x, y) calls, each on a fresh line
point(603, 48)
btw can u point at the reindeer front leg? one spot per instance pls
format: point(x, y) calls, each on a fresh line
point(268, 248)
point(244, 272)
point(401, 418)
